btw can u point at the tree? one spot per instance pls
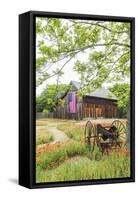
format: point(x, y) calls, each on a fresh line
point(49, 98)
point(104, 44)
point(122, 92)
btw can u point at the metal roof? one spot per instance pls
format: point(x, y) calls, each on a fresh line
point(76, 84)
point(100, 93)
point(103, 93)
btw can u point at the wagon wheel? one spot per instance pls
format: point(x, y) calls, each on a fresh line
point(121, 132)
point(90, 133)
point(98, 141)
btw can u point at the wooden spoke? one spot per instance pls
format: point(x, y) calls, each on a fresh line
point(120, 130)
point(123, 137)
point(93, 136)
point(98, 141)
point(90, 134)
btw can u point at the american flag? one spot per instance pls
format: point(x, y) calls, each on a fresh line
point(72, 102)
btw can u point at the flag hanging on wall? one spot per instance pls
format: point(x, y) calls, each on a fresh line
point(72, 102)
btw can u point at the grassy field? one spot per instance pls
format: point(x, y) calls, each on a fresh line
point(42, 133)
point(73, 130)
point(73, 160)
point(82, 168)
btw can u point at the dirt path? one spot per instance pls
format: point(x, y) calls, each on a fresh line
point(59, 136)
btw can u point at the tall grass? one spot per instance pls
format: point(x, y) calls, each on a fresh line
point(49, 160)
point(43, 135)
point(44, 138)
point(84, 169)
point(74, 160)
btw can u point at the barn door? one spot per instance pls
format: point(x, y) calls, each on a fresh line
point(98, 111)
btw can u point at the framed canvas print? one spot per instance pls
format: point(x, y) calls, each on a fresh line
point(76, 99)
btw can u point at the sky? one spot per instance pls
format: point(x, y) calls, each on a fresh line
point(68, 76)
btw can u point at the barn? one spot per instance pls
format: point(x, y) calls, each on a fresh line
point(98, 104)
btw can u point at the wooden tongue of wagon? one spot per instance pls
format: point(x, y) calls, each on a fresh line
point(105, 135)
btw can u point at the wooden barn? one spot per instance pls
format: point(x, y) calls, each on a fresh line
point(98, 104)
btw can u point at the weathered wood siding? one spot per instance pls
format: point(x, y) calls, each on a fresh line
point(92, 107)
point(62, 112)
point(98, 107)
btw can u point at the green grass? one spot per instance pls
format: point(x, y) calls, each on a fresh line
point(43, 136)
point(41, 122)
point(48, 160)
point(84, 169)
point(74, 160)
point(62, 165)
point(73, 131)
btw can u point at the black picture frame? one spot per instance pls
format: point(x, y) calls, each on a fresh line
point(27, 98)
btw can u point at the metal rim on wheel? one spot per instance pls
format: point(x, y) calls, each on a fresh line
point(121, 131)
point(90, 133)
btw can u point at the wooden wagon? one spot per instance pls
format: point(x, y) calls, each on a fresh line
point(106, 135)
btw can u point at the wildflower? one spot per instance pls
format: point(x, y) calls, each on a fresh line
point(125, 152)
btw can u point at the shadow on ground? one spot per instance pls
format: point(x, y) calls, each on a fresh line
point(13, 180)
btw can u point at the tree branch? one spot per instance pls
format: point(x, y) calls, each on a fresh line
point(100, 25)
point(56, 72)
